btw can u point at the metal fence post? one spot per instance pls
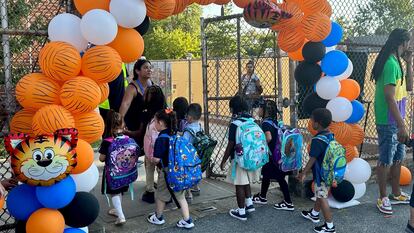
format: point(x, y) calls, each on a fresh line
point(239, 66)
point(217, 85)
point(8, 83)
point(292, 95)
point(204, 74)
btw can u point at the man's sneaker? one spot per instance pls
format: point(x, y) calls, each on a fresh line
point(250, 209)
point(235, 214)
point(284, 206)
point(154, 220)
point(324, 229)
point(409, 228)
point(384, 205)
point(402, 199)
point(148, 197)
point(257, 199)
point(185, 224)
point(310, 216)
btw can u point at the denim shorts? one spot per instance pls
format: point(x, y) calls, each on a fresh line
point(390, 150)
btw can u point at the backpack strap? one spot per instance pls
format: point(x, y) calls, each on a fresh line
point(323, 138)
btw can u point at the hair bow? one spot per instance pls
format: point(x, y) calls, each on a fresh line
point(169, 110)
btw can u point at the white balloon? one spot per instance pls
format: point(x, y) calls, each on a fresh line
point(328, 49)
point(360, 190)
point(358, 171)
point(99, 27)
point(66, 27)
point(86, 180)
point(328, 87)
point(341, 109)
point(347, 73)
point(128, 13)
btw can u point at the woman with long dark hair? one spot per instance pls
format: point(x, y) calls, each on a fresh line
point(390, 103)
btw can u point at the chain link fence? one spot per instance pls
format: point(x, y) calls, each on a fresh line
point(228, 42)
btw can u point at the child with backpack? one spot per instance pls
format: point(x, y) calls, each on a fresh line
point(178, 169)
point(154, 101)
point(248, 152)
point(323, 148)
point(180, 106)
point(120, 155)
point(271, 170)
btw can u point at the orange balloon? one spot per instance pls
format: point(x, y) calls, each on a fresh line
point(312, 6)
point(84, 157)
point(290, 40)
point(316, 27)
point(297, 55)
point(59, 61)
point(295, 20)
point(180, 6)
point(102, 64)
point(351, 152)
point(358, 135)
point(129, 44)
point(45, 221)
point(310, 128)
point(204, 2)
point(84, 6)
point(35, 90)
point(2, 200)
point(405, 177)
point(222, 2)
point(51, 118)
point(350, 89)
point(342, 132)
point(90, 126)
point(326, 9)
point(159, 9)
point(22, 122)
point(80, 94)
point(242, 3)
point(104, 87)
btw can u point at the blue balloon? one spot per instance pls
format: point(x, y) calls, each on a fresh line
point(334, 63)
point(358, 112)
point(73, 230)
point(335, 36)
point(58, 195)
point(22, 202)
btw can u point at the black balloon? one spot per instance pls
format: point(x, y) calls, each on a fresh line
point(344, 192)
point(312, 102)
point(307, 73)
point(313, 51)
point(144, 26)
point(20, 227)
point(82, 211)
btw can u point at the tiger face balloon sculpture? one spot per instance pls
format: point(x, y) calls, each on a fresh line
point(263, 13)
point(42, 160)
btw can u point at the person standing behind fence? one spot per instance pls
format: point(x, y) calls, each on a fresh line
point(251, 87)
point(390, 104)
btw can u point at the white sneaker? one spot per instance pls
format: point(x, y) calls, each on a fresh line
point(185, 224)
point(154, 220)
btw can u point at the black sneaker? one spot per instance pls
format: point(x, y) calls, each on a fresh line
point(284, 206)
point(324, 229)
point(148, 197)
point(235, 214)
point(310, 216)
point(250, 209)
point(257, 199)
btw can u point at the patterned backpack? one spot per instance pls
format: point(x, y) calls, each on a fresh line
point(251, 150)
point(287, 153)
point(183, 168)
point(121, 163)
point(333, 166)
point(204, 145)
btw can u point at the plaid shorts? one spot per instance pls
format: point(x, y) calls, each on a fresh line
point(321, 191)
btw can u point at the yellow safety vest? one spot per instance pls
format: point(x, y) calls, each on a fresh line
point(105, 104)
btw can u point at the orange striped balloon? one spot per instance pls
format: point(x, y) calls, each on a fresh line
point(312, 6)
point(326, 9)
point(290, 40)
point(351, 152)
point(222, 2)
point(357, 135)
point(242, 3)
point(316, 27)
point(80, 94)
point(90, 126)
point(160, 9)
point(204, 2)
point(180, 6)
point(35, 90)
point(51, 118)
point(59, 61)
point(104, 87)
point(101, 63)
point(22, 122)
point(297, 16)
point(342, 132)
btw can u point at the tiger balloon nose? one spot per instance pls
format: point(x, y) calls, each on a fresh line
point(44, 163)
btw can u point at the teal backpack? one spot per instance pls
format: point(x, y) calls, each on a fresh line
point(333, 167)
point(251, 150)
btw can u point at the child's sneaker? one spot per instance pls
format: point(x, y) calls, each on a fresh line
point(324, 229)
point(185, 224)
point(250, 209)
point(310, 216)
point(154, 220)
point(284, 206)
point(195, 191)
point(236, 214)
point(384, 205)
point(120, 221)
point(402, 199)
point(257, 199)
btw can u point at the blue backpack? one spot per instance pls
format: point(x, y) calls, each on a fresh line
point(287, 153)
point(183, 168)
point(121, 165)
